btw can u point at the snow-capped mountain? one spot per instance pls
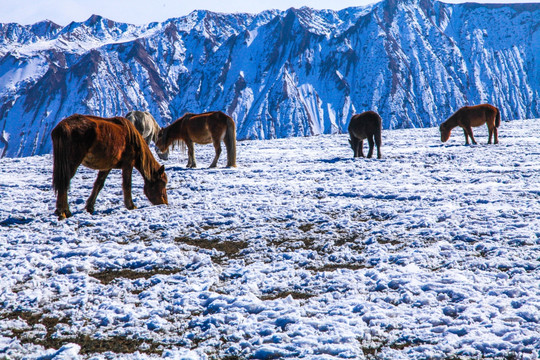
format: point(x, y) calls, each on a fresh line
point(278, 73)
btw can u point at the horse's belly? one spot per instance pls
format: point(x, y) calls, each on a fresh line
point(201, 139)
point(360, 135)
point(99, 163)
point(477, 122)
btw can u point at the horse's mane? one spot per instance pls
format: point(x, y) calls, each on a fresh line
point(452, 121)
point(180, 144)
point(174, 127)
point(145, 163)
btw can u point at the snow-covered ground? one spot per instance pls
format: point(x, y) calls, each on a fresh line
point(300, 252)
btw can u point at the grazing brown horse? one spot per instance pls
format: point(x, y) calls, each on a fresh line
point(103, 144)
point(471, 116)
point(210, 127)
point(367, 125)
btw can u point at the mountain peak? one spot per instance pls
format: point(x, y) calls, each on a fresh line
point(302, 71)
point(98, 19)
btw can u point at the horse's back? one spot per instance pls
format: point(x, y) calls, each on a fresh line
point(365, 124)
point(75, 128)
point(478, 115)
point(87, 129)
point(210, 117)
point(144, 122)
point(202, 128)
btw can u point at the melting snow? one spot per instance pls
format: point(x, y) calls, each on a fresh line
point(301, 251)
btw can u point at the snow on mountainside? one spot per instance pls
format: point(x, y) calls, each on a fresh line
point(278, 73)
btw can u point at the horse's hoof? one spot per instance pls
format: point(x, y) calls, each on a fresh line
point(62, 215)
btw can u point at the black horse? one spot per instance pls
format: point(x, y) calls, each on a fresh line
point(367, 125)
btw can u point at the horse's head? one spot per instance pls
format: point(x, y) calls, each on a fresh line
point(163, 155)
point(445, 132)
point(155, 188)
point(161, 142)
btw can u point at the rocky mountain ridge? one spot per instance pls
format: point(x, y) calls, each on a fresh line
point(297, 72)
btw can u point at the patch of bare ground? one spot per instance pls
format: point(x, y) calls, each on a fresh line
point(115, 344)
point(283, 294)
point(333, 267)
point(309, 243)
point(371, 350)
point(229, 249)
point(88, 344)
point(108, 276)
point(306, 227)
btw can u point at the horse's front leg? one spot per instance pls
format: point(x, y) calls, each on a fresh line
point(98, 185)
point(469, 131)
point(126, 186)
point(361, 148)
point(191, 155)
point(217, 147)
point(466, 136)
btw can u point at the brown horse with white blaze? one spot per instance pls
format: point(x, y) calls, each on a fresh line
point(211, 127)
point(103, 144)
point(468, 117)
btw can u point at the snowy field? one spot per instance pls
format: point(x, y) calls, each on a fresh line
point(300, 252)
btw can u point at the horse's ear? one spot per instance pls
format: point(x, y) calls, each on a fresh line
point(161, 170)
point(350, 142)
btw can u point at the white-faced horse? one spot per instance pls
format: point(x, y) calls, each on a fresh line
point(149, 129)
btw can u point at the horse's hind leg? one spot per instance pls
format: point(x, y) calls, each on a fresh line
point(378, 143)
point(191, 155)
point(98, 185)
point(371, 143)
point(217, 147)
point(493, 132)
point(62, 206)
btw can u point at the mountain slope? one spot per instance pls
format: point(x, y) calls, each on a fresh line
point(287, 73)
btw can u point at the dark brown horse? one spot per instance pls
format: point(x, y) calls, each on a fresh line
point(210, 127)
point(103, 144)
point(471, 116)
point(367, 125)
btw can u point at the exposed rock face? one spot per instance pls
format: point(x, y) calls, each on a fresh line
point(278, 73)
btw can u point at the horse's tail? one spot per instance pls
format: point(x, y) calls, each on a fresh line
point(62, 169)
point(230, 142)
point(378, 137)
point(497, 117)
point(378, 132)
